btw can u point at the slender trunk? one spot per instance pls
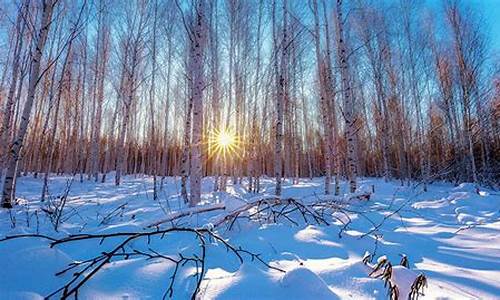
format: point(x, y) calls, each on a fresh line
point(8, 194)
point(197, 49)
point(7, 116)
point(280, 99)
point(52, 134)
point(153, 145)
point(323, 98)
point(349, 107)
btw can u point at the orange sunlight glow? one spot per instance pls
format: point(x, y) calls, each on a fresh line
point(223, 142)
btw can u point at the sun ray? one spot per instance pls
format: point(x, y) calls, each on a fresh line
point(223, 143)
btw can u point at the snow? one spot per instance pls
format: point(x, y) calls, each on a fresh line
point(403, 278)
point(302, 283)
point(450, 234)
point(381, 259)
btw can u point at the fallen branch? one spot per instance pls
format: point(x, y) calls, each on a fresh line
point(270, 210)
point(85, 270)
point(188, 212)
point(117, 211)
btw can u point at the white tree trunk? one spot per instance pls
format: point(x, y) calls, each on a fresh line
point(126, 116)
point(349, 112)
point(100, 71)
point(53, 131)
point(7, 116)
point(323, 95)
point(280, 100)
point(185, 159)
point(8, 193)
point(197, 48)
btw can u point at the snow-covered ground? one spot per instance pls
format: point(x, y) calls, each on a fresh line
point(451, 234)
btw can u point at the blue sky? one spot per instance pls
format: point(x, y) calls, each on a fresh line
point(490, 9)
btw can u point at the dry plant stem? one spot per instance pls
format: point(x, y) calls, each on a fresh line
point(175, 216)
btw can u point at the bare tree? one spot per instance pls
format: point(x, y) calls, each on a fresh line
point(132, 53)
point(8, 193)
point(349, 112)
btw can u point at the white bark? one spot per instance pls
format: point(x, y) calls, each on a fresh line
point(100, 71)
point(132, 59)
point(52, 133)
point(197, 49)
point(323, 95)
point(153, 145)
point(7, 116)
point(280, 98)
point(185, 159)
point(8, 193)
point(349, 108)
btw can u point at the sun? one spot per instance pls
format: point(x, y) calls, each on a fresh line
point(223, 142)
point(225, 139)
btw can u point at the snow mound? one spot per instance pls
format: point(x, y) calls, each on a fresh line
point(469, 219)
point(466, 187)
point(303, 283)
point(433, 204)
point(351, 280)
point(364, 189)
point(403, 278)
point(33, 264)
point(443, 202)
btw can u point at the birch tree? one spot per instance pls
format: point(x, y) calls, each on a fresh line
point(349, 112)
point(101, 61)
point(132, 54)
point(16, 64)
point(281, 87)
point(8, 193)
point(197, 35)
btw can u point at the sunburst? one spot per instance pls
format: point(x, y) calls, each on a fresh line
point(224, 143)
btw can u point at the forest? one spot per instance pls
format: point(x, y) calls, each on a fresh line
point(245, 132)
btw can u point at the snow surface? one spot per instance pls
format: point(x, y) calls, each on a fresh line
point(403, 278)
point(451, 234)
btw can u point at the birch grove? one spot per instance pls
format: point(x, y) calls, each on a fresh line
point(247, 90)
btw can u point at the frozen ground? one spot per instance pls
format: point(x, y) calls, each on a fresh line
point(451, 234)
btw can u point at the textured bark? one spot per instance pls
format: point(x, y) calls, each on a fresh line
point(323, 100)
point(8, 109)
point(185, 158)
point(331, 101)
point(197, 49)
point(281, 86)
point(8, 193)
point(349, 107)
